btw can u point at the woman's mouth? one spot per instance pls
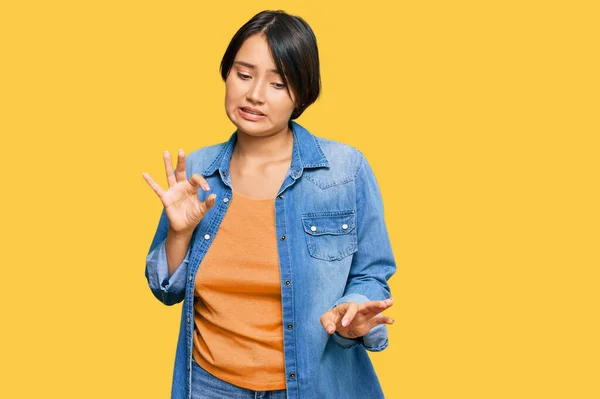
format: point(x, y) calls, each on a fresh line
point(251, 115)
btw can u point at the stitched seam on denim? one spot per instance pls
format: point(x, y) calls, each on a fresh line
point(324, 185)
point(296, 148)
point(292, 295)
point(360, 165)
point(318, 145)
point(311, 215)
point(315, 254)
point(357, 221)
point(218, 215)
point(377, 348)
point(351, 218)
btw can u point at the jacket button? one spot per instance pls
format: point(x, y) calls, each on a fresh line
point(290, 326)
point(282, 238)
point(344, 226)
point(313, 228)
point(292, 375)
point(190, 278)
point(288, 282)
point(188, 319)
point(225, 200)
point(280, 196)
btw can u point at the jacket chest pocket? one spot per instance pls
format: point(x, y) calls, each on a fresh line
point(330, 235)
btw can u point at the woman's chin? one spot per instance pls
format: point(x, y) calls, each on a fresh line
point(253, 128)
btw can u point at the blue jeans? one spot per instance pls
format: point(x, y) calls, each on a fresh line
point(207, 386)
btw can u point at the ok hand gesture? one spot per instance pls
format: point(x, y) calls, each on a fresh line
point(182, 205)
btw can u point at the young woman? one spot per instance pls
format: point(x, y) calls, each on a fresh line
point(274, 240)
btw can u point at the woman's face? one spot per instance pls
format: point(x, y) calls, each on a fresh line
point(256, 100)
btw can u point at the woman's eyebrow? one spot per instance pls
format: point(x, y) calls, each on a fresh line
point(249, 65)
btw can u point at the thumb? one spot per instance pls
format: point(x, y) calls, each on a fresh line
point(210, 201)
point(330, 318)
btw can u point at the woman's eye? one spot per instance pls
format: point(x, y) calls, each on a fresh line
point(279, 85)
point(241, 75)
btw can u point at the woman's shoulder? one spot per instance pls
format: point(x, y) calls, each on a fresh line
point(331, 149)
point(202, 158)
point(337, 146)
point(341, 155)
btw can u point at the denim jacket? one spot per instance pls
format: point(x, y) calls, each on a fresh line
point(333, 247)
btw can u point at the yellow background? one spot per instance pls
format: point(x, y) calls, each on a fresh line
point(479, 118)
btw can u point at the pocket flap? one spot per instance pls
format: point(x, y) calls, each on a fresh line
point(329, 223)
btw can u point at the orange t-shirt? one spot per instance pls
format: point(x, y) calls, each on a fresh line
point(238, 334)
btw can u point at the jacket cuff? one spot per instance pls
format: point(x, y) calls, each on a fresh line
point(346, 343)
point(376, 339)
point(165, 288)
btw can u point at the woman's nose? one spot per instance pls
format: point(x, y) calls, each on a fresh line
point(256, 93)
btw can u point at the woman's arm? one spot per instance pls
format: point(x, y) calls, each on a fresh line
point(164, 271)
point(176, 246)
point(166, 262)
point(373, 263)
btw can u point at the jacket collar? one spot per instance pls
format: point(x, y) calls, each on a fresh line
point(306, 153)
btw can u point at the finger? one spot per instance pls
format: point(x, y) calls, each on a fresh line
point(376, 306)
point(208, 203)
point(157, 189)
point(330, 319)
point(180, 169)
point(328, 323)
point(199, 181)
point(169, 169)
point(350, 313)
point(380, 320)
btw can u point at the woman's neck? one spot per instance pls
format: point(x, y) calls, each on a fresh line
point(261, 149)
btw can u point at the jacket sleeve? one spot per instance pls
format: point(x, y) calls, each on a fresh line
point(168, 290)
point(373, 263)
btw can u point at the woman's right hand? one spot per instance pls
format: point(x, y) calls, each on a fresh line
point(182, 205)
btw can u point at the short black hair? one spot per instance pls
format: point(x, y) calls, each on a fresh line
point(294, 49)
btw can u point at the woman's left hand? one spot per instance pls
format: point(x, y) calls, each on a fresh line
point(352, 320)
